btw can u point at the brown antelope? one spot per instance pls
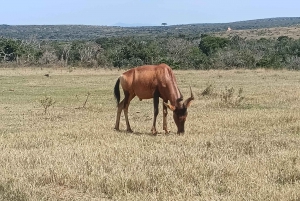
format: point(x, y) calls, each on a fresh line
point(152, 81)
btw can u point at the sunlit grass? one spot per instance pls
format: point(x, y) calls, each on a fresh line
point(246, 152)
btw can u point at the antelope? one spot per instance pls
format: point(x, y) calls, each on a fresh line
point(152, 81)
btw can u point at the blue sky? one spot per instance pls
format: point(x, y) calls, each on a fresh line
point(142, 12)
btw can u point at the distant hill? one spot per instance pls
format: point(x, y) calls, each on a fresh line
point(87, 32)
point(273, 32)
point(120, 24)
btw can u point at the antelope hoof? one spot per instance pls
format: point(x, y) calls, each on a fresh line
point(129, 131)
point(154, 132)
point(167, 132)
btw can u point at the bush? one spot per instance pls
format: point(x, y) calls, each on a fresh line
point(180, 52)
point(210, 44)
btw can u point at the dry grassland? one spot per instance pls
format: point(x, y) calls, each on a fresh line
point(239, 149)
point(292, 32)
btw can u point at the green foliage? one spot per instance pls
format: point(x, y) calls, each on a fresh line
point(180, 52)
point(12, 50)
point(74, 55)
point(269, 61)
point(210, 44)
point(198, 60)
point(130, 51)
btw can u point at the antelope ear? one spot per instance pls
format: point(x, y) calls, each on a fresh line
point(171, 107)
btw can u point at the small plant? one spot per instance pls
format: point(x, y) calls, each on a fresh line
point(228, 98)
point(208, 90)
point(84, 104)
point(46, 103)
point(87, 97)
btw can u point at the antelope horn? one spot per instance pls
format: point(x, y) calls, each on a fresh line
point(181, 96)
point(180, 99)
point(187, 102)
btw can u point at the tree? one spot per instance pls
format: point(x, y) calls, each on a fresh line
point(210, 44)
point(8, 49)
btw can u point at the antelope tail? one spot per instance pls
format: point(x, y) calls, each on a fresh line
point(117, 91)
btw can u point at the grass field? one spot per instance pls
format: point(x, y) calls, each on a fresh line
point(234, 148)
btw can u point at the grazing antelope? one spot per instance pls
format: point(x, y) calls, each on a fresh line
point(152, 81)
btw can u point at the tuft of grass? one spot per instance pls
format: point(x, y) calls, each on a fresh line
point(288, 172)
point(9, 192)
point(209, 90)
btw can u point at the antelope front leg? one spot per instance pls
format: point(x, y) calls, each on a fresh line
point(127, 99)
point(155, 104)
point(127, 121)
point(165, 124)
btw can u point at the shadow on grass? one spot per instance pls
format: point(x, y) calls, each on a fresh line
point(145, 133)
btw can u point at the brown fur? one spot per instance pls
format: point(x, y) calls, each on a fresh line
point(153, 81)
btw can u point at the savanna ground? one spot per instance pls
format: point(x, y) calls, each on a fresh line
point(235, 148)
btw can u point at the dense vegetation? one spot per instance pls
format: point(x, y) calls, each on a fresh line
point(205, 52)
point(181, 50)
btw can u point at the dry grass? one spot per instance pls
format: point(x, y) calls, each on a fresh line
point(248, 152)
point(292, 31)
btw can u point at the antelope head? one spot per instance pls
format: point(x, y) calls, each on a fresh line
point(180, 111)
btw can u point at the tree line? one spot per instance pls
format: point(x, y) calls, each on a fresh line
point(180, 52)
